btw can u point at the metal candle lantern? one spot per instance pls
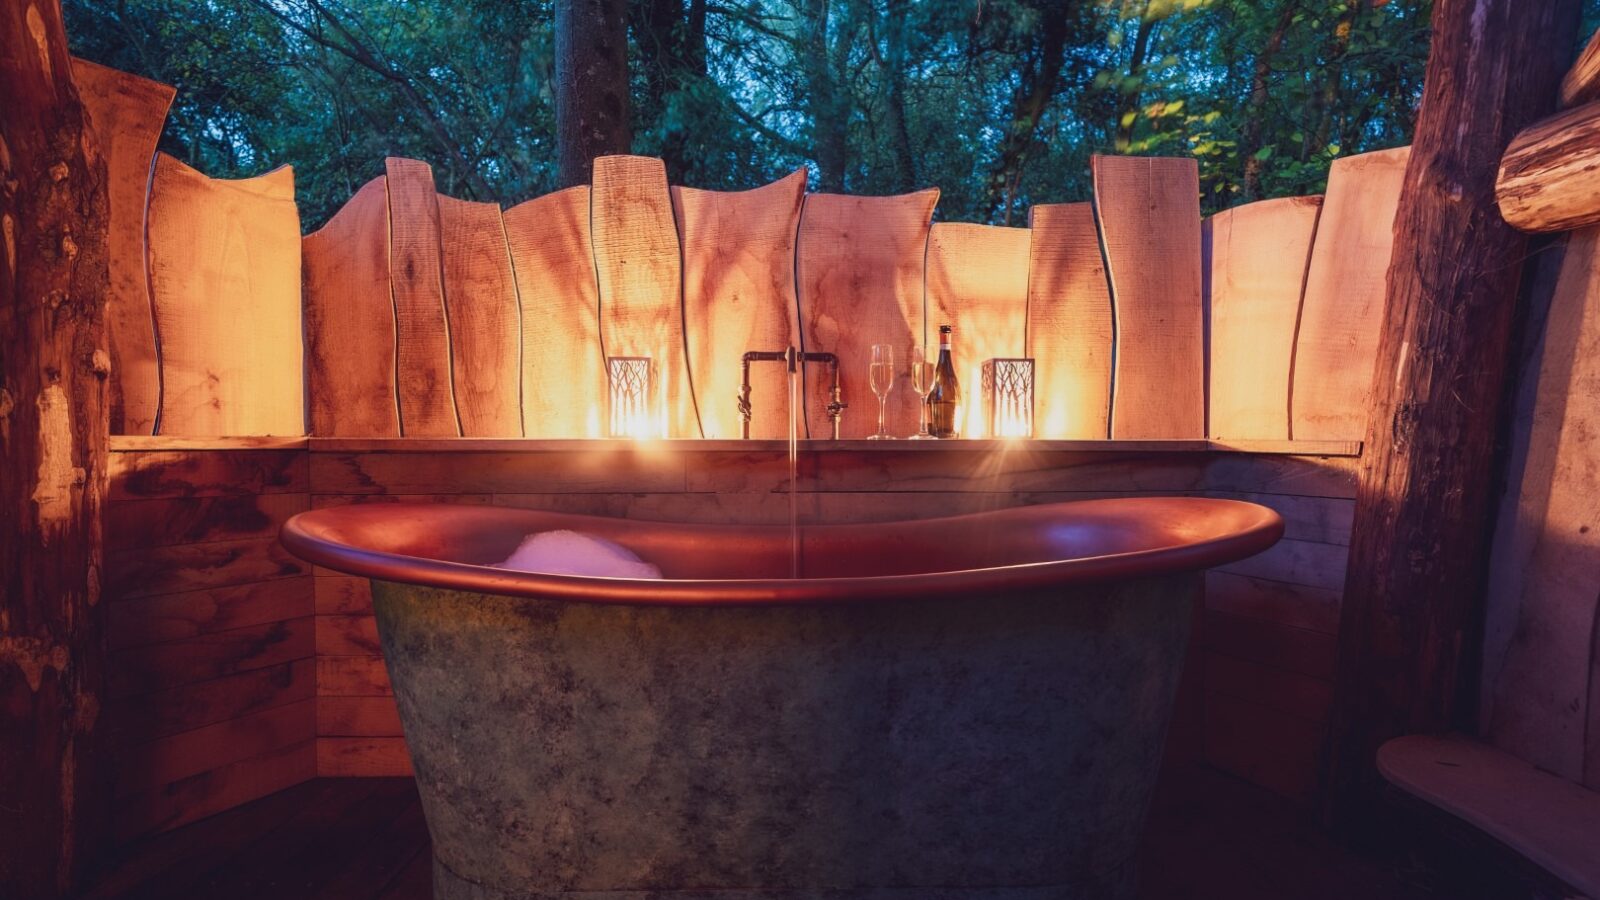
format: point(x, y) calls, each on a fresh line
point(1007, 393)
point(629, 378)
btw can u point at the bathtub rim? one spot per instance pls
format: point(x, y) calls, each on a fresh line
point(307, 536)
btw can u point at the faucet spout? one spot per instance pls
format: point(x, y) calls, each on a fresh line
point(793, 360)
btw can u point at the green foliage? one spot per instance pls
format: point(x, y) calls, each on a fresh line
point(997, 102)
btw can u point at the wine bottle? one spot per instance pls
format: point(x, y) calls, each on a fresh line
point(944, 401)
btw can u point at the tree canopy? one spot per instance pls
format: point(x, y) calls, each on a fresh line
point(997, 102)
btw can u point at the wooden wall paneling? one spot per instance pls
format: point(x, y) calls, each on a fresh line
point(127, 113)
point(224, 262)
point(1542, 618)
point(860, 267)
point(739, 295)
point(1262, 745)
point(165, 761)
point(357, 717)
point(1070, 328)
point(199, 473)
point(350, 320)
point(1342, 308)
point(211, 792)
point(352, 676)
point(640, 276)
point(1295, 605)
point(150, 716)
point(160, 618)
point(563, 370)
point(373, 757)
point(978, 282)
point(1255, 259)
point(134, 524)
point(156, 667)
point(423, 371)
point(1149, 212)
point(480, 296)
point(169, 570)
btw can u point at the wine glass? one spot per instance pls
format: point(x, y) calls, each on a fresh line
point(922, 373)
point(881, 374)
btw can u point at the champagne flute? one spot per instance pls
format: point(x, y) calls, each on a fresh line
point(922, 374)
point(881, 375)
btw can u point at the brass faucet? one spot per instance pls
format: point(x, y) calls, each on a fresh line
point(793, 359)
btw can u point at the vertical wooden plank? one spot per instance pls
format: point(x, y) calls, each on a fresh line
point(1149, 210)
point(1343, 305)
point(563, 373)
point(1070, 330)
point(1540, 695)
point(349, 320)
point(640, 277)
point(978, 282)
point(480, 298)
point(225, 284)
point(1256, 258)
point(426, 393)
point(739, 295)
point(127, 113)
point(861, 282)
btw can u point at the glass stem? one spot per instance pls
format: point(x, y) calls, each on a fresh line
point(922, 415)
point(880, 415)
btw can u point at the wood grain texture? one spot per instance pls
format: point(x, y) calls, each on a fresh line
point(563, 369)
point(191, 706)
point(978, 282)
point(1149, 212)
point(860, 269)
point(1547, 178)
point(350, 320)
point(211, 792)
point(366, 757)
point(422, 357)
point(357, 717)
point(1070, 329)
point(640, 275)
point(194, 520)
point(160, 618)
point(164, 761)
point(169, 570)
point(480, 297)
point(1543, 599)
point(127, 113)
point(224, 262)
point(1342, 309)
point(352, 676)
point(739, 295)
point(1255, 259)
point(157, 667)
point(207, 473)
point(1582, 82)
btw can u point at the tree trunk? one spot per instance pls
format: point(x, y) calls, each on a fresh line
point(1036, 85)
point(897, 57)
point(1414, 586)
point(1128, 112)
point(591, 86)
point(1250, 140)
point(54, 422)
point(827, 102)
point(670, 38)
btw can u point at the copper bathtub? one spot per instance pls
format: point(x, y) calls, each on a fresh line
point(970, 707)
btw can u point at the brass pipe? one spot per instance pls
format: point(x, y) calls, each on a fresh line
point(836, 405)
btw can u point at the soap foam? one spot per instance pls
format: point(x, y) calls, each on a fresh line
point(571, 553)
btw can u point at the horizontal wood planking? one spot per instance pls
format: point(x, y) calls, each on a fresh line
point(353, 635)
point(1294, 605)
point(1291, 693)
point(169, 712)
point(626, 468)
point(187, 567)
point(1275, 750)
point(1309, 563)
point(157, 667)
point(343, 757)
point(337, 595)
point(1276, 646)
point(357, 717)
point(162, 618)
point(152, 766)
point(352, 676)
point(216, 790)
point(142, 475)
point(136, 524)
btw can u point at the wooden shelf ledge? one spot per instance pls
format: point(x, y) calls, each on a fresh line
point(1552, 822)
point(149, 443)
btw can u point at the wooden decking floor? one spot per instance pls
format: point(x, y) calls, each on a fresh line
point(1210, 836)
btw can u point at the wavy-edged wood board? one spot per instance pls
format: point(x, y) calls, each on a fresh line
point(127, 113)
point(422, 355)
point(739, 295)
point(225, 285)
point(1342, 309)
point(640, 274)
point(978, 283)
point(480, 297)
point(861, 282)
point(1255, 265)
point(1070, 330)
point(1149, 211)
point(563, 369)
point(350, 320)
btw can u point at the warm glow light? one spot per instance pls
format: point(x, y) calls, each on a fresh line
point(630, 388)
point(1008, 397)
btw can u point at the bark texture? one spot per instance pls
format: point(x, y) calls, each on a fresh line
point(1550, 176)
point(1415, 584)
point(53, 426)
point(592, 116)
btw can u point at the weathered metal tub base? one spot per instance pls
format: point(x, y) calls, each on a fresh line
point(975, 747)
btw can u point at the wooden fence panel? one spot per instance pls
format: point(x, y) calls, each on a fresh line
point(480, 298)
point(640, 277)
point(1255, 262)
point(1149, 212)
point(426, 392)
point(127, 113)
point(739, 295)
point(1342, 308)
point(563, 370)
point(350, 321)
point(225, 285)
point(861, 282)
point(978, 283)
point(1070, 329)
